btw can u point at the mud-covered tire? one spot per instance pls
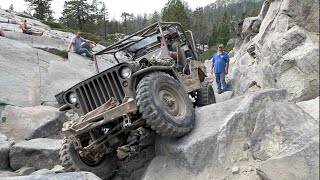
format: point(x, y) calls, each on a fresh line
point(205, 95)
point(71, 161)
point(165, 105)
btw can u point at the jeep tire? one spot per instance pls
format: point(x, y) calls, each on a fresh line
point(71, 161)
point(165, 105)
point(205, 95)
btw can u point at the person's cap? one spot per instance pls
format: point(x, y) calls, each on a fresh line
point(221, 46)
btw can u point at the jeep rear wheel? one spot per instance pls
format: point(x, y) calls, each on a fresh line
point(205, 95)
point(165, 105)
point(104, 167)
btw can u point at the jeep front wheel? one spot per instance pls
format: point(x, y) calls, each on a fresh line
point(165, 105)
point(71, 160)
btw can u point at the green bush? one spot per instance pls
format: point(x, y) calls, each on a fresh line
point(95, 38)
point(209, 53)
point(58, 52)
point(52, 24)
point(61, 53)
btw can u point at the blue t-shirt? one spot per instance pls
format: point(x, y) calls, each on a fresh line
point(171, 48)
point(220, 62)
point(76, 42)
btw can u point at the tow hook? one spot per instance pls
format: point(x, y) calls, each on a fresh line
point(126, 120)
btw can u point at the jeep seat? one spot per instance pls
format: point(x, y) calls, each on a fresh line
point(181, 56)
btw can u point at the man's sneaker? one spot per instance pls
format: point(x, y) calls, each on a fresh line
point(219, 91)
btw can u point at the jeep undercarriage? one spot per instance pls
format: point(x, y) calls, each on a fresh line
point(147, 88)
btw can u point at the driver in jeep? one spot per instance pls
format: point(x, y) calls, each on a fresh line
point(168, 41)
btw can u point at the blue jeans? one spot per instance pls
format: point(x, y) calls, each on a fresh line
point(85, 48)
point(221, 80)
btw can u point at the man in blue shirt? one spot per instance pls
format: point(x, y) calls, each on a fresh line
point(78, 48)
point(220, 66)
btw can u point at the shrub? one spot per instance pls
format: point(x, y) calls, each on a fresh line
point(58, 52)
point(61, 53)
point(95, 38)
point(208, 54)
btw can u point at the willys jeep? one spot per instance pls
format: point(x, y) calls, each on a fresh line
point(146, 88)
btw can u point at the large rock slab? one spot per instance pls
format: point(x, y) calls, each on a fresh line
point(44, 41)
point(286, 52)
point(65, 176)
point(61, 76)
point(299, 161)
point(38, 153)
point(286, 139)
point(217, 126)
point(277, 126)
point(13, 18)
point(32, 77)
point(21, 69)
point(5, 146)
point(311, 107)
point(240, 138)
point(31, 122)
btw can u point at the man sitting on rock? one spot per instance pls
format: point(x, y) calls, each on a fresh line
point(27, 30)
point(220, 66)
point(85, 48)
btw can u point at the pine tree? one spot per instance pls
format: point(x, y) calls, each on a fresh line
point(224, 29)
point(155, 17)
point(199, 27)
point(104, 14)
point(126, 17)
point(76, 14)
point(11, 7)
point(42, 9)
point(175, 11)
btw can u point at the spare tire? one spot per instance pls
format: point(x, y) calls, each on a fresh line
point(165, 105)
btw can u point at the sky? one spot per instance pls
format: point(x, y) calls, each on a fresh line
point(115, 7)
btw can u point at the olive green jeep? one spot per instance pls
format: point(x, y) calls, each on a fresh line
point(146, 88)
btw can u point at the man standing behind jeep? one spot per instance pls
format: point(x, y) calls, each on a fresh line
point(80, 49)
point(220, 66)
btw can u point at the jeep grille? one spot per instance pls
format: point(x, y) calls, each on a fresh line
point(95, 92)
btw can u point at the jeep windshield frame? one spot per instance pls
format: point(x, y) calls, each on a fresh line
point(147, 38)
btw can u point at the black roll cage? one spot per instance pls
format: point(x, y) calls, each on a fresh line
point(154, 29)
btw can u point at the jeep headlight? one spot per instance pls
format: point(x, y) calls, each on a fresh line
point(72, 98)
point(125, 72)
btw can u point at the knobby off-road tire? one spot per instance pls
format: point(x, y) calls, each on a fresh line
point(205, 95)
point(71, 161)
point(165, 105)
